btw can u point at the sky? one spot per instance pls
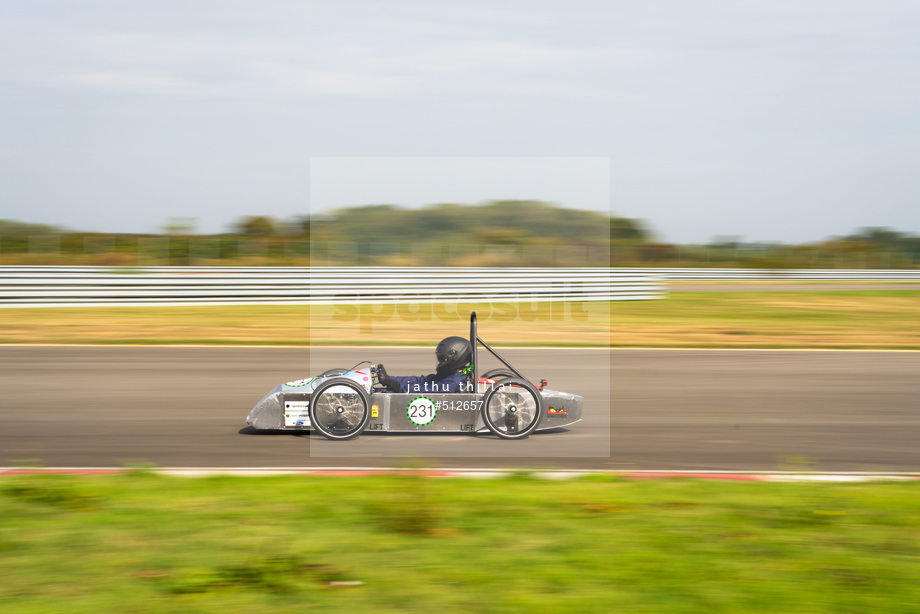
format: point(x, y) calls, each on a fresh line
point(773, 120)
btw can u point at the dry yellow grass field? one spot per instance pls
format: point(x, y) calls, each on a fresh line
point(883, 319)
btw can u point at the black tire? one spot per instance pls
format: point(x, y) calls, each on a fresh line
point(512, 408)
point(336, 416)
point(333, 372)
point(499, 373)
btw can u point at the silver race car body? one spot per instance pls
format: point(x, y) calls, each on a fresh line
point(341, 404)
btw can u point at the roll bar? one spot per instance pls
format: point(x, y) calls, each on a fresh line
point(473, 338)
point(475, 342)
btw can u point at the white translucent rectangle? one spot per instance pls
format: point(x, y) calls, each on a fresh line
point(297, 413)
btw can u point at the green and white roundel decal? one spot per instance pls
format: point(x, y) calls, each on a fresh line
point(299, 383)
point(421, 410)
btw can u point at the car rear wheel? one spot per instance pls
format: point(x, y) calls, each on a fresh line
point(339, 409)
point(512, 408)
point(494, 373)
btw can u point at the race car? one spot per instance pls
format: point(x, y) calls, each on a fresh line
point(342, 403)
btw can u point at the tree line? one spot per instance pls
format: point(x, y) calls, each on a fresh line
point(496, 233)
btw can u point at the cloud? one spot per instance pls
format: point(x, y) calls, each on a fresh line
point(210, 67)
point(128, 81)
point(329, 50)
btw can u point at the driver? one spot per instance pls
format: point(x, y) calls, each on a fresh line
point(454, 353)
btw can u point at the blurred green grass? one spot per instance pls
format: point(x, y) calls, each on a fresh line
point(867, 319)
point(144, 542)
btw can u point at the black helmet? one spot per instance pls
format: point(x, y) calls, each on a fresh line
point(453, 353)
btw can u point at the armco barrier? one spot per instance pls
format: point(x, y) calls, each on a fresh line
point(101, 286)
point(704, 274)
point(49, 286)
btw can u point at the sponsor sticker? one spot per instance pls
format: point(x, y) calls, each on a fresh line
point(421, 411)
point(296, 413)
point(556, 412)
point(300, 382)
point(375, 411)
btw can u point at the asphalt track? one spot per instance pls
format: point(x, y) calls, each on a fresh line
point(689, 410)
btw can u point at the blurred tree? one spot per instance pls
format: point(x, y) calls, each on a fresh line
point(656, 252)
point(303, 224)
point(14, 227)
point(180, 226)
point(911, 245)
point(725, 242)
point(627, 229)
point(878, 235)
point(256, 225)
point(499, 236)
point(529, 221)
